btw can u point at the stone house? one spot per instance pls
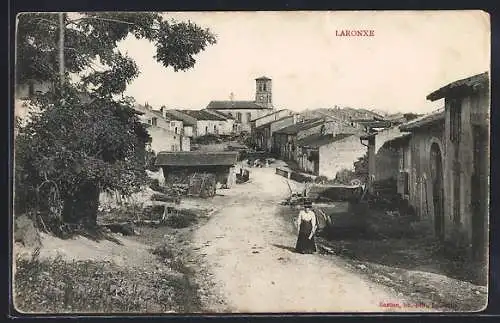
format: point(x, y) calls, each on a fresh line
point(209, 123)
point(263, 135)
point(244, 112)
point(340, 153)
point(443, 160)
point(462, 162)
point(308, 151)
point(175, 124)
point(160, 130)
point(188, 122)
point(285, 139)
point(230, 126)
point(273, 116)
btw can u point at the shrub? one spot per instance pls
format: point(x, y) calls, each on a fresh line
point(181, 219)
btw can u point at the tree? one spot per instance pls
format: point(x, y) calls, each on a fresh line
point(84, 139)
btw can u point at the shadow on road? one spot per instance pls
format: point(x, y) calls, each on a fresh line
point(291, 249)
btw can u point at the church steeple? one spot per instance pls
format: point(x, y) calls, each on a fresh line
point(263, 92)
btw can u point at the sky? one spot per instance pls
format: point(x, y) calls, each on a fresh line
point(410, 55)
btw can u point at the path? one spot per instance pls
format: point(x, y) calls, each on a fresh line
point(247, 247)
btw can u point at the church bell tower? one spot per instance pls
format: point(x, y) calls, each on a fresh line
point(263, 92)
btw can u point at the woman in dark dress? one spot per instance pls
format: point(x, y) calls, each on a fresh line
point(306, 223)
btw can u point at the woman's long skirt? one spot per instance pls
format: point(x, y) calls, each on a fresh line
point(304, 244)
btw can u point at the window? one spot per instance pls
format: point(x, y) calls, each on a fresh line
point(206, 129)
point(172, 123)
point(264, 87)
point(455, 120)
point(249, 116)
point(238, 116)
point(154, 121)
point(176, 129)
point(173, 147)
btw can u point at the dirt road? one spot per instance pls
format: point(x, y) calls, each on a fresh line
point(247, 247)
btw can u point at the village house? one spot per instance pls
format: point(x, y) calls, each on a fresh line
point(407, 160)
point(308, 151)
point(175, 124)
point(209, 123)
point(162, 136)
point(245, 111)
point(188, 122)
point(262, 136)
point(441, 162)
point(462, 163)
point(285, 139)
point(385, 149)
point(340, 153)
point(273, 116)
point(230, 126)
point(178, 166)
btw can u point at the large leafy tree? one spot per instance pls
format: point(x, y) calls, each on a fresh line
point(84, 139)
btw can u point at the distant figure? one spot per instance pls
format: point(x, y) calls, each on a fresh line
point(306, 224)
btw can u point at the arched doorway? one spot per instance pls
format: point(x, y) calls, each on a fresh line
point(437, 190)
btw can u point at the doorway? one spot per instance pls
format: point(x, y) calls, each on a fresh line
point(437, 190)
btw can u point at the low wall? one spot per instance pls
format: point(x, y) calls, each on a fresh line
point(293, 175)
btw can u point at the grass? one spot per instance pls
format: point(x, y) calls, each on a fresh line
point(59, 286)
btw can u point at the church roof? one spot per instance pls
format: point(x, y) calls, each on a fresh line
point(229, 105)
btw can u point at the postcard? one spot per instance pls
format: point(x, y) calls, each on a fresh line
point(251, 162)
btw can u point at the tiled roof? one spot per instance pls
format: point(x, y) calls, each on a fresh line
point(228, 105)
point(318, 140)
point(185, 120)
point(296, 128)
point(196, 158)
point(202, 115)
point(470, 82)
point(269, 114)
point(220, 114)
point(427, 119)
point(270, 123)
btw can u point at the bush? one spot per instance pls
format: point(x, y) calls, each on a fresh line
point(181, 219)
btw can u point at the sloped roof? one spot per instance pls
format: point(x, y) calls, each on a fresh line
point(425, 120)
point(203, 115)
point(460, 85)
point(185, 120)
point(318, 140)
point(264, 78)
point(220, 114)
point(262, 126)
point(229, 105)
point(295, 128)
point(196, 158)
point(267, 115)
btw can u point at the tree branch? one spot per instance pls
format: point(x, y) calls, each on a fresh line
point(98, 18)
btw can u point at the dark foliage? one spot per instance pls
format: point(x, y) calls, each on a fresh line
point(84, 140)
